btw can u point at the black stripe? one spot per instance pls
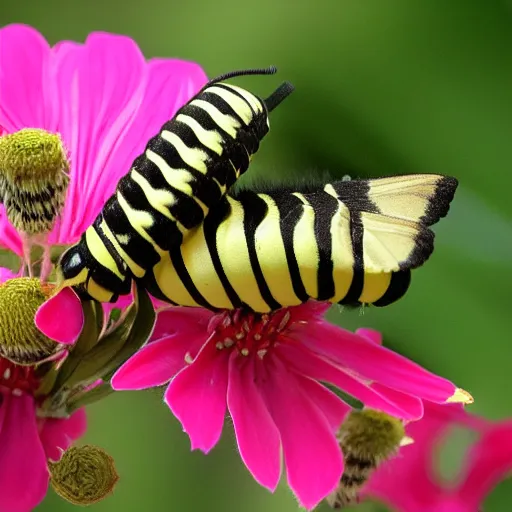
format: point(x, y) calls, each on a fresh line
point(255, 210)
point(399, 284)
point(357, 285)
point(355, 195)
point(185, 209)
point(103, 275)
point(236, 93)
point(359, 463)
point(120, 263)
point(290, 212)
point(182, 272)
point(210, 228)
point(138, 248)
point(325, 207)
point(150, 284)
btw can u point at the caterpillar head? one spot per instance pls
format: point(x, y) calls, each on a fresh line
point(78, 269)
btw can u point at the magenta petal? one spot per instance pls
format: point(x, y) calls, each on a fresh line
point(332, 406)
point(61, 317)
point(158, 362)
point(23, 474)
point(6, 274)
point(23, 55)
point(256, 433)
point(375, 363)
point(177, 319)
point(311, 365)
point(489, 462)
point(370, 334)
point(58, 434)
point(197, 397)
point(314, 463)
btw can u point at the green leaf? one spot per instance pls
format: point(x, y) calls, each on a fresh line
point(89, 397)
point(86, 341)
point(139, 334)
point(91, 365)
point(119, 344)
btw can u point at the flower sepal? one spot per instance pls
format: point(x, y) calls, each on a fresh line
point(84, 375)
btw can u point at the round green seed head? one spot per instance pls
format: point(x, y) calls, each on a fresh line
point(20, 340)
point(371, 433)
point(84, 475)
point(32, 155)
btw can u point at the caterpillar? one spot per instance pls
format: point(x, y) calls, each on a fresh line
point(184, 171)
point(347, 242)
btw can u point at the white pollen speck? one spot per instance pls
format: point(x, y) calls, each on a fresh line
point(244, 351)
point(239, 335)
point(7, 374)
point(17, 392)
point(219, 345)
point(257, 337)
point(261, 353)
point(188, 358)
point(284, 321)
point(246, 327)
point(228, 342)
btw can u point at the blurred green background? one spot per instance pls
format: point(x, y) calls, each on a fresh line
point(383, 86)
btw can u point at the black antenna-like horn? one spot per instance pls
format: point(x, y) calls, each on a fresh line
point(272, 70)
point(282, 92)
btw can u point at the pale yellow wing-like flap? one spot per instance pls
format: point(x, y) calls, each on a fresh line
point(423, 198)
point(391, 244)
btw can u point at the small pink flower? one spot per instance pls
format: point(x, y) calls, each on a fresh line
point(104, 100)
point(409, 482)
point(26, 441)
point(267, 371)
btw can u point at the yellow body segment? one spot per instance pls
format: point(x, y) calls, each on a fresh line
point(306, 248)
point(234, 257)
point(200, 267)
point(271, 255)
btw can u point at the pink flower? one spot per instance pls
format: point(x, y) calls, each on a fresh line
point(26, 441)
point(104, 100)
point(409, 482)
point(267, 371)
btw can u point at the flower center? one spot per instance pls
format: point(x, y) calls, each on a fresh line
point(20, 340)
point(249, 333)
point(31, 156)
point(17, 379)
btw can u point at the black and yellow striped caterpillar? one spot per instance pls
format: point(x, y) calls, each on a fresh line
point(348, 242)
point(184, 171)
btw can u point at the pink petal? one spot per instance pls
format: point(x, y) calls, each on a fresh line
point(490, 462)
point(314, 463)
point(61, 317)
point(177, 319)
point(23, 475)
point(158, 362)
point(374, 362)
point(197, 397)
point(58, 434)
point(23, 55)
point(405, 402)
point(6, 274)
point(9, 237)
point(331, 405)
point(256, 433)
point(311, 365)
point(370, 334)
